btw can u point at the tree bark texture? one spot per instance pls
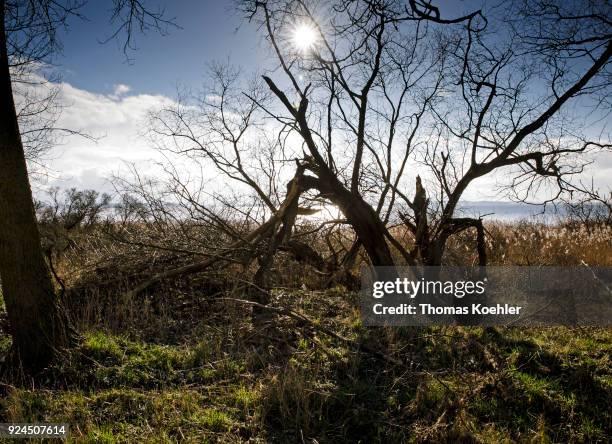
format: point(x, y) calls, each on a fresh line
point(37, 323)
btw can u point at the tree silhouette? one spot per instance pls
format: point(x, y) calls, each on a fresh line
point(38, 325)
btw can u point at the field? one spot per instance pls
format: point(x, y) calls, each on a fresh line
point(193, 194)
point(184, 361)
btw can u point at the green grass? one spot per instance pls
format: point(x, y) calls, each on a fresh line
point(124, 415)
point(232, 383)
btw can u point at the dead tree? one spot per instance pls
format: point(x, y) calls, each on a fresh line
point(465, 108)
point(392, 114)
point(273, 234)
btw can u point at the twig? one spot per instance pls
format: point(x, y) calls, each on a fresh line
point(254, 236)
point(302, 318)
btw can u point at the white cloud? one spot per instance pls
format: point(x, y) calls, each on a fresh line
point(117, 120)
point(122, 89)
point(119, 90)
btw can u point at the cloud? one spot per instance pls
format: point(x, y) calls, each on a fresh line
point(117, 121)
point(121, 89)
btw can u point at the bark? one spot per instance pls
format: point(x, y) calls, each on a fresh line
point(304, 253)
point(279, 235)
point(369, 229)
point(37, 323)
point(368, 226)
point(360, 215)
point(427, 251)
point(451, 227)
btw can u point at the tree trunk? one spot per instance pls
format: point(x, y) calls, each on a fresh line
point(37, 324)
point(361, 216)
point(370, 230)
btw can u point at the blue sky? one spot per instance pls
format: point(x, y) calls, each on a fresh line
point(108, 97)
point(210, 30)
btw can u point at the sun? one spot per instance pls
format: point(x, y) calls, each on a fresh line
point(305, 37)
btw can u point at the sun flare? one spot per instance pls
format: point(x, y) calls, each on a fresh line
point(305, 37)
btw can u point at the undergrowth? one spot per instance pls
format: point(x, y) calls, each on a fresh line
point(177, 364)
point(234, 384)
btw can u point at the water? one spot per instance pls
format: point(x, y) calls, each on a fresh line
point(509, 211)
point(499, 211)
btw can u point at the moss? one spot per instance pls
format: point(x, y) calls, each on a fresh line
point(230, 384)
point(212, 419)
point(102, 347)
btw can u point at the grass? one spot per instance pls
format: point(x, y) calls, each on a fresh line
point(176, 365)
point(470, 384)
point(120, 390)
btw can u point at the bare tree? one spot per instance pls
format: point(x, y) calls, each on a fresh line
point(77, 208)
point(386, 83)
point(588, 206)
point(38, 325)
point(390, 112)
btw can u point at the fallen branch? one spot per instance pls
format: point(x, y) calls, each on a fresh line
point(199, 266)
point(285, 211)
point(302, 318)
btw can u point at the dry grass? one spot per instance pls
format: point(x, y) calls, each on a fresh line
point(526, 243)
point(176, 364)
